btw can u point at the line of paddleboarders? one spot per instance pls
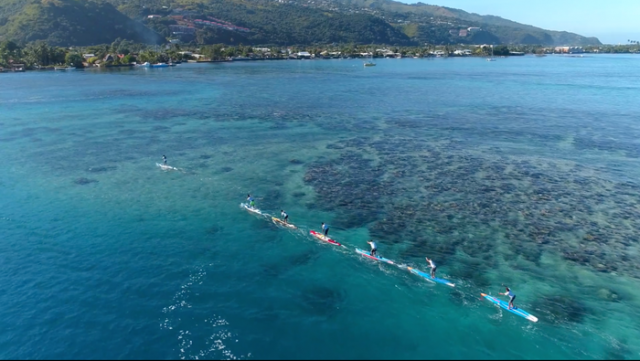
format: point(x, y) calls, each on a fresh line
point(374, 249)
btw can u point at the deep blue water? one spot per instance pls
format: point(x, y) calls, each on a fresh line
point(522, 172)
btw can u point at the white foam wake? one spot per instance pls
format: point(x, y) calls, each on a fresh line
point(208, 339)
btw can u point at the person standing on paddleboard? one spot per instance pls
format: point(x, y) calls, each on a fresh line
point(512, 297)
point(285, 216)
point(252, 203)
point(433, 267)
point(325, 228)
point(374, 249)
point(164, 159)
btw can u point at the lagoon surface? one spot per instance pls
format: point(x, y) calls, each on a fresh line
point(524, 172)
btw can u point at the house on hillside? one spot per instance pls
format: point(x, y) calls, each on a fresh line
point(569, 50)
point(109, 57)
point(154, 17)
point(18, 67)
point(463, 33)
point(473, 28)
point(304, 55)
point(88, 56)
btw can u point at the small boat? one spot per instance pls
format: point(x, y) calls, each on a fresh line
point(505, 305)
point(370, 62)
point(322, 237)
point(491, 58)
point(146, 64)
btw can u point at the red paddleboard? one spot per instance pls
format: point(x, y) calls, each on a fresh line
point(322, 237)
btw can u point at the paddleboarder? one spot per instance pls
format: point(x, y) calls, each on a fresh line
point(512, 297)
point(285, 216)
point(374, 249)
point(252, 203)
point(433, 267)
point(164, 159)
point(325, 228)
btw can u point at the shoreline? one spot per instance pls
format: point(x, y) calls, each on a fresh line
point(583, 55)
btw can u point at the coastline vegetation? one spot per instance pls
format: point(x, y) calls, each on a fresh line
point(39, 55)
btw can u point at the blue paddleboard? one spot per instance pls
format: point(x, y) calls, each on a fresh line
point(377, 258)
point(429, 278)
point(515, 310)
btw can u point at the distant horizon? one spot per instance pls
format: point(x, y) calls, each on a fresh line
point(613, 24)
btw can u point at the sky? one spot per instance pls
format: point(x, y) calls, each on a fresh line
point(612, 21)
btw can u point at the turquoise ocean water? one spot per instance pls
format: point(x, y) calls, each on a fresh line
point(522, 172)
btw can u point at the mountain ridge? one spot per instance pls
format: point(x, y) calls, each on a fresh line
point(69, 22)
point(421, 12)
point(277, 22)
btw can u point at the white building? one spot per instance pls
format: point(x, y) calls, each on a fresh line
point(465, 52)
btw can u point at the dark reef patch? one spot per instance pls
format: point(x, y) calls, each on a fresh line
point(84, 181)
point(561, 309)
point(215, 229)
point(298, 194)
point(435, 195)
point(101, 169)
point(323, 301)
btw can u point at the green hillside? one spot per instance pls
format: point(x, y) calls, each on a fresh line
point(436, 21)
point(294, 22)
point(69, 22)
point(270, 22)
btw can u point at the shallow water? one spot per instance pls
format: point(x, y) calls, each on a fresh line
point(520, 172)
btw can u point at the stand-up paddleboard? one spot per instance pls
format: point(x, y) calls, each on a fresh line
point(515, 310)
point(251, 209)
point(322, 237)
point(283, 223)
point(429, 278)
point(166, 167)
point(377, 258)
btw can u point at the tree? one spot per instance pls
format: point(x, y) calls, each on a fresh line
point(128, 59)
point(9, 51)
point(501, 50)
point(39, 53)
point(230, 51)
point(74, 59)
